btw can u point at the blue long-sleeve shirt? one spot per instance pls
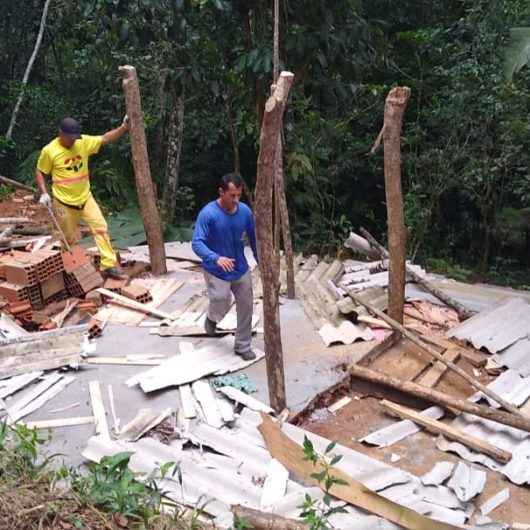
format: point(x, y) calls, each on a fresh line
point(220, 234)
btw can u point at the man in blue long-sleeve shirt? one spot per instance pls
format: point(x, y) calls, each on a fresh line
point(218, 241)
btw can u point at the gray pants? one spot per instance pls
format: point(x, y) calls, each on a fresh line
point(220, 296)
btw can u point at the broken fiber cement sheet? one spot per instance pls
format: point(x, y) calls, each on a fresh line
point(497, 328)
point(502, 436)
point(160, 288)
point(218, 359)
point(346, 333)
point(217, 481)
point(43, 350)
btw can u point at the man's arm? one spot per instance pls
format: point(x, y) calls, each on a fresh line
point(251, 233)
point(116, 134)
point(41, 181)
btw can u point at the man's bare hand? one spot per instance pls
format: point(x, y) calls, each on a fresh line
point(227, 264)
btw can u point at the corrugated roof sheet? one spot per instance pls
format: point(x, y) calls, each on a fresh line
point(516, 357)
point(497, 328)
point(235, 476)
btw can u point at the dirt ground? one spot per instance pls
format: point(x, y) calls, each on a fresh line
point(418, 453)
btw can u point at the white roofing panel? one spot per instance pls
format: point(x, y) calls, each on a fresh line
point(497, 328)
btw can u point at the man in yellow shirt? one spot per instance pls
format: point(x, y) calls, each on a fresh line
point(65, 159)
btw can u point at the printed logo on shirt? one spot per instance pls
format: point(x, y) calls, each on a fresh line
point(74, 164)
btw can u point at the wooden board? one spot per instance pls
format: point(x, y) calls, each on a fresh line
point(292, 456)
point(98, 409)
point(60, 422)
point(160, 288)
point(436, 372)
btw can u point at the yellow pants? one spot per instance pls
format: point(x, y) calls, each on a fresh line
point(69, 218)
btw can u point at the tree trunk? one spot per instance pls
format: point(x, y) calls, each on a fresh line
point(233, 135)
point(395, 105)
point(174, 149)
point(281, 204)
point(270, 132)
point(142, 172)
point(29, 66)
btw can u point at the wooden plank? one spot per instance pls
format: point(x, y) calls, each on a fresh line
point(10, 386)
point(122, 361)
point(513, 420)
point(292, 456)
point(34, 393)
point(98, 409)
point(448, 431)
point(240, 397)
point(60, 422)
point(133, 304)
point(16, 184)
point(477, 385)
point(470, 356)
point(160, 288)
point(436, 372)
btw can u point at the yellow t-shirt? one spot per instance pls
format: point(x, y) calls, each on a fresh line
point(69, 168)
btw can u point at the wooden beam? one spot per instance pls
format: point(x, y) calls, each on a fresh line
point(269, 264)
point(16, 184)
point(142, 171)
point(436, 372)
point(60, 422)
point(133, 304)
point(433, 353)
point(395, 105)
point(463, 312)
point(259, 520)
point(437, 427)
point(434, 396)
point(292, 456)
point(14, 220)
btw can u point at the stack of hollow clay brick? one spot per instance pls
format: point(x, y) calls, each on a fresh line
point(80, 274)
point(34, 277)
point(47, 276)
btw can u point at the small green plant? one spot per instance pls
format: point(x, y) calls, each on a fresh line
point(112, 486)
point(19, 455)
point(315, 513)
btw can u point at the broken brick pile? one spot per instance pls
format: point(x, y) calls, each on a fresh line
point(36, 285)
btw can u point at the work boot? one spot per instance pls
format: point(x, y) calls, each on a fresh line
point(210, 327)
point(114, 272)
point(247, 355)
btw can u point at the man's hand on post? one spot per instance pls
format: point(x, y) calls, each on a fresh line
point(45, 200)
point(227, 264)
point(125, 121)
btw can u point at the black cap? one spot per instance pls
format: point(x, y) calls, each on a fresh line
point(70, 127)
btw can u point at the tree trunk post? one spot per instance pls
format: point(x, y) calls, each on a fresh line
point(395, 105)
point(142, 172)
point(29, 66)
point(174, 150)
point(270, 132)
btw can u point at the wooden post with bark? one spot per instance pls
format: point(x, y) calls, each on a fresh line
point(142, 172)
point(281, 216)
point(395, 105)
point(269, 265)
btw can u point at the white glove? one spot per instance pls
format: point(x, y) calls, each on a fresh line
point(125, 120)
point(45, 200)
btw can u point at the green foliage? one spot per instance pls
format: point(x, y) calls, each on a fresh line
point(315, 513)
point(111, 486)
point(19, 454)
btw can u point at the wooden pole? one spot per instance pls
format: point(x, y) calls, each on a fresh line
point(282, 213)
point(463, 312)
point(270, 130)
point(434, 396)
point(433, 353)
point(395, 105)
point(16, 184)
point(437, 427)
point(144, 183)
point(259, 520)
